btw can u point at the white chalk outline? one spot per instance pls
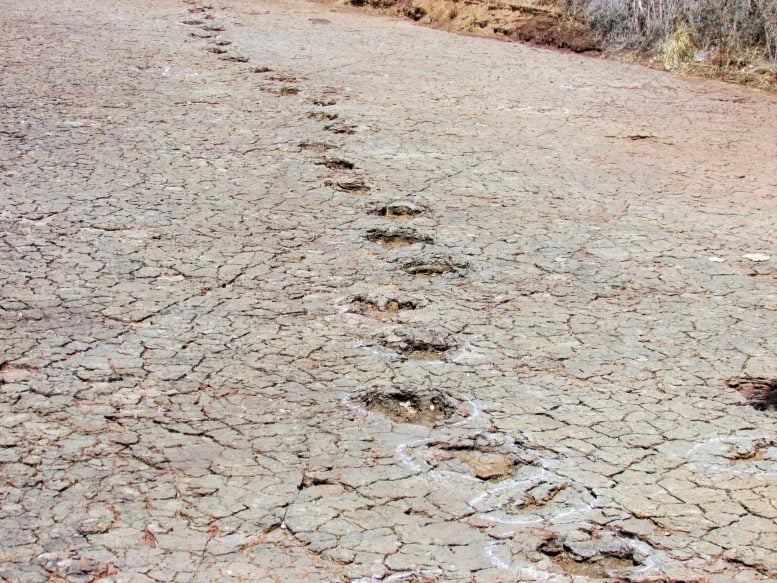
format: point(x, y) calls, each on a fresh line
point(404, 454)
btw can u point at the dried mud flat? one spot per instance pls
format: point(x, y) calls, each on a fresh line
point(296, 294)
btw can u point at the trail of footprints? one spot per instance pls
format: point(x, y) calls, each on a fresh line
point(500, 481)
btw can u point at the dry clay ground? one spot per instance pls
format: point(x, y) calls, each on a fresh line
point(296, 294)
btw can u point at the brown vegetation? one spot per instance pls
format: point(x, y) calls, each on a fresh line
point(731, 39)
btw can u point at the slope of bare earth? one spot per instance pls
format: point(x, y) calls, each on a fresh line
point(294, 294)
point(546, 24)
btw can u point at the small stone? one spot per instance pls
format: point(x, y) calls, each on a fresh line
point(487, 466)
point(93, 526)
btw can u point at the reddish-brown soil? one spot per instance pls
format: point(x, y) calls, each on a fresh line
point(534, 24)
point(549, 30)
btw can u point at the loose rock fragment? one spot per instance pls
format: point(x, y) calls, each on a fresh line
point(487, 465)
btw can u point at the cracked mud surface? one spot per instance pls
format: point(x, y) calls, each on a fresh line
point(192, 314)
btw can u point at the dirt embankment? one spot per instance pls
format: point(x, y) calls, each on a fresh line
point(541, 24)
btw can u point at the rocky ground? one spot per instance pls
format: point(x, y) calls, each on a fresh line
point(290, 293)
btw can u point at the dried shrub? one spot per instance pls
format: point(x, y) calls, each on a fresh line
point(727, 28)
point(677, 50)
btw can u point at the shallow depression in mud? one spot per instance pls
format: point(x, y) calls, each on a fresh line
point(356, 186)
point(760, 392)
point(398, 210)
point(337, 163)
point(421, 406)
point(486, 465)
point(394, 238)
point(382, 308)
point(482, 457)
point(316, 146)
point(433, 266)
point(584, 560)
point(420, 345)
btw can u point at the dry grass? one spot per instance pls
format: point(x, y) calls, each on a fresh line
point(677, 50)
point(732, 39)
point(645, 23)
point(455, 17)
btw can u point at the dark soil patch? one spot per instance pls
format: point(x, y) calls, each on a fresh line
point(382, 309)
point(430, 269)
point(282, 91)
point(322, 115)
point(353, 186)
point(398, 210)
point(760, 392)
point(313, 146)
point(234, 58)
point(340, 128)
point(420, 345)
point(283, 78)
point(432, 266)
point(394, 238)
point(427, 407)
point(549, 30)
point(424, 351)
point(337, 163)
point(414, 12)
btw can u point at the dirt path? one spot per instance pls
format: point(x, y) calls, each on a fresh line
point(302, 295)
